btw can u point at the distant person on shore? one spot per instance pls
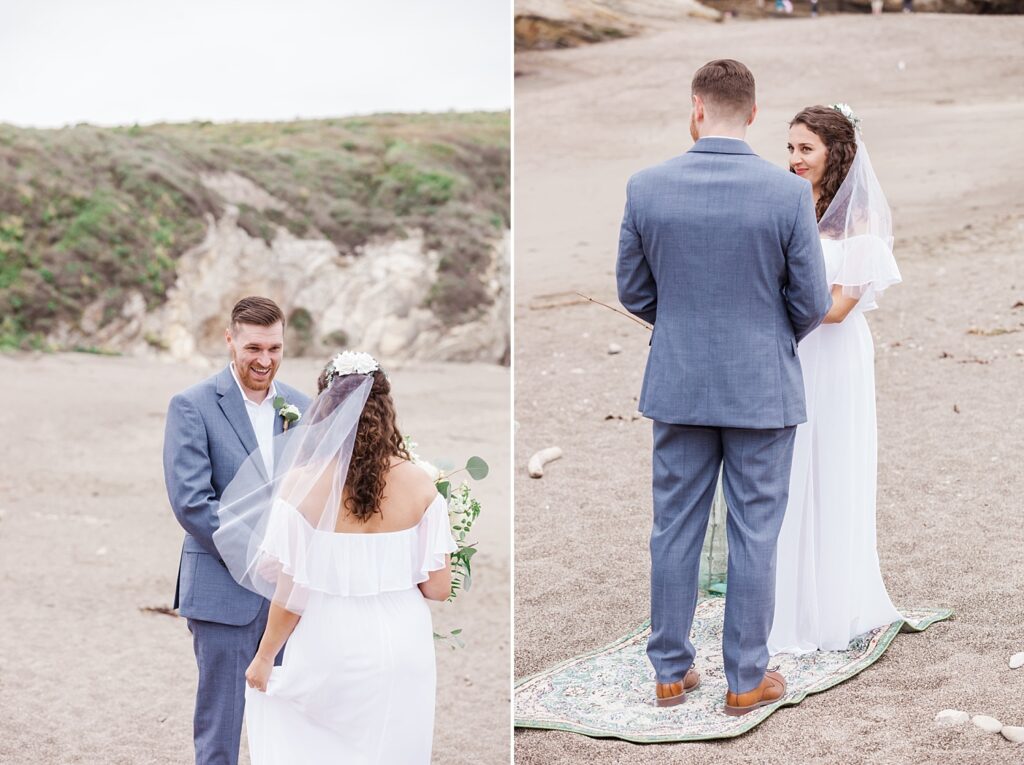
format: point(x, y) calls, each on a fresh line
point(814, 9)
point(876, 7)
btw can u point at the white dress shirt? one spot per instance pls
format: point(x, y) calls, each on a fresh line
point(262, 418)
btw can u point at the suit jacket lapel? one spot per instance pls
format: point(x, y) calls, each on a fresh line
point(278, 442)
point(234, 409)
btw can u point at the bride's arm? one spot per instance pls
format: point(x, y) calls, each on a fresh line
point(439, 584)
point(280, 624)
point(841, 306)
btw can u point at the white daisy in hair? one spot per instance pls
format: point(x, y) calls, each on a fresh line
point(351, 363)
point(847, 111)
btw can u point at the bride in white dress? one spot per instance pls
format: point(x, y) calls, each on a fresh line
point(829, 585)
point(346, 542)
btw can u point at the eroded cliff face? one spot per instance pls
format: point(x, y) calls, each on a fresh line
point(376, 300)
point(545, 24)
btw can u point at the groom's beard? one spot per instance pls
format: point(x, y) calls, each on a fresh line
point(249, 377)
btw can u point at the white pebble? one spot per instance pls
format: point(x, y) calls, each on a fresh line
point(578, 371)
point(986, 723)
point(1017, 660)
point(952, 717)
point(614, 348)
point(1013, 733)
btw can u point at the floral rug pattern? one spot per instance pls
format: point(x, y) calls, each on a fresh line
point(608, 693)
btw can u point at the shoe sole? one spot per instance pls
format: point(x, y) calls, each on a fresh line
point(740, 711)
point(672, 701)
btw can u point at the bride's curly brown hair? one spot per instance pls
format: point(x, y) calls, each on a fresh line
point(840, 139)
point(377, 441)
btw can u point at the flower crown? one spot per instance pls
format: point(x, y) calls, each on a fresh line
point(351, 363)
point(847, 111)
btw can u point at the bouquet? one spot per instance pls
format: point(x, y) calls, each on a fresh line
point(463, 510)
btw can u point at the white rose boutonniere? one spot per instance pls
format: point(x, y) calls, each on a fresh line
point(288, 412)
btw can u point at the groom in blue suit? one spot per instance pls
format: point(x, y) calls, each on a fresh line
point(719, 250)
point(212, 428)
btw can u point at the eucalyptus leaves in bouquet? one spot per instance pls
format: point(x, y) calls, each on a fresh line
point(463, 510)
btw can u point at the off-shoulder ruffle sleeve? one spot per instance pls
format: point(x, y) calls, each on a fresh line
point(435, 539)
point(311, 561)
point(863, 266)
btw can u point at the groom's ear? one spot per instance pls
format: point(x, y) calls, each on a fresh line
point(698, 107)
point(753, 115)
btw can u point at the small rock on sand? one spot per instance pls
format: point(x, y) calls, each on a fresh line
point(1017, 660)
point(986, 723)
point(952, 717)
point(614, 348)
point(1013, 733)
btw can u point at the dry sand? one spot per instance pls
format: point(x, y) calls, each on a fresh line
point(87, 538)
point(944, 133)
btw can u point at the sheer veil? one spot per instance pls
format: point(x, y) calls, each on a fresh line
point(859, 220)
point(269, 527)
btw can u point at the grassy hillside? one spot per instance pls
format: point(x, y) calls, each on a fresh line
point(89, 213)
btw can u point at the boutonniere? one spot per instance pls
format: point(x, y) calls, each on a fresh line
point(288, 412)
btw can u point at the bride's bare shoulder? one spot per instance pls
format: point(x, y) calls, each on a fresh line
point(412, 482)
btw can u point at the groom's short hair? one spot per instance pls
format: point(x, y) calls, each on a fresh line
point(727, 85)
point(261, 311)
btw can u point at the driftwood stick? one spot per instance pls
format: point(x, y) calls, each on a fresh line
point(537, 462)
point(643, 324)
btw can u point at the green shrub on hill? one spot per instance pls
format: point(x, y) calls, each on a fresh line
point(90, 213)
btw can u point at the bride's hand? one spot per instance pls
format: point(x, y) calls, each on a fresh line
point(258, 673)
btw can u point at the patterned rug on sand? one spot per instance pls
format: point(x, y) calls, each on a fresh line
point(608, 693)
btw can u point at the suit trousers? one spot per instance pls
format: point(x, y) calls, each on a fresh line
point(223, 652)
point(756, 472)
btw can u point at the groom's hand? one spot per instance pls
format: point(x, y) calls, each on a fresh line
point(258, 673)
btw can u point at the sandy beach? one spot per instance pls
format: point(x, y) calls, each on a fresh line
point(88, 542)
point(941, 102)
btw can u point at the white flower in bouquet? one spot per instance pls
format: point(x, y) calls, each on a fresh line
point(434, 473)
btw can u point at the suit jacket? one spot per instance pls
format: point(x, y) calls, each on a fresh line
point(720, 251)
point(208, 437)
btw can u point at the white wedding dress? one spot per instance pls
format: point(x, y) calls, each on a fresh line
point(829, 585)
point(357, 682)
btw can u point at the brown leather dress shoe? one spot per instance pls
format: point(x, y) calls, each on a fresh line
point(771, 689)
point(670, 694)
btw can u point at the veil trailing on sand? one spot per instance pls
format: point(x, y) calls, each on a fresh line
point(270, 527)
point(860, 221)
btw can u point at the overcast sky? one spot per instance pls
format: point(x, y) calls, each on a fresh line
point(113, 62)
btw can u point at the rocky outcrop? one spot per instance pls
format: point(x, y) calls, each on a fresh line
point(374, 301)
point(545, 24)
